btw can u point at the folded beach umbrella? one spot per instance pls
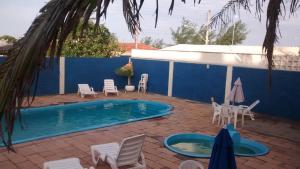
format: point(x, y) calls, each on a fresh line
point(237, 94)
point(222, 155)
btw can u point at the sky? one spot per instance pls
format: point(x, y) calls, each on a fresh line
point(17, 15)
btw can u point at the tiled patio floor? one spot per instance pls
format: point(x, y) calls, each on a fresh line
point(282, 136)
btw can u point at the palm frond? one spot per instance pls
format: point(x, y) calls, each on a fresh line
point(171, 8)
point(98, 12)
point(49, 30)
point(294, 6)
point(225, 15)
point(156, 13)
point(131, 14)
point(274, 10)
point(258, 8)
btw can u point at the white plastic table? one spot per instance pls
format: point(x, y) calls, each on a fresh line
point(234, 110)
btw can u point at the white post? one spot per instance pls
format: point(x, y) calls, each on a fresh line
point(234, 20)
point(228, 83)
point(170, 83)
point(62, 75)
point(207, 28)
point(232, 39)
point(135, 41)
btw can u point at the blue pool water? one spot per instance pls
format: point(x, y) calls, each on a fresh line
point(49, 121)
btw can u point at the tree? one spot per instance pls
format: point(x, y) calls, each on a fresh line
point(185, 33)
point(8, 38)
point(200, 37)
point(58, 18)
point(147, 40)
point(225, 36)
point(157, 43)
point(91, 44)
point(189, 33)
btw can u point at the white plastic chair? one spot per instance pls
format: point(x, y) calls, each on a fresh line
point(85, 89)
point(128, 153)
point(109, 87)
point(217, 110)
point(143, 83)
point(190, 164)
point(246, 111)
point(68, 163)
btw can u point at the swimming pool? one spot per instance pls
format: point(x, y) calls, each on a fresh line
point(201, 145)
point(43, 122)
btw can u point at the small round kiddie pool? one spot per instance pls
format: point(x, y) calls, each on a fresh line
point(200, 145)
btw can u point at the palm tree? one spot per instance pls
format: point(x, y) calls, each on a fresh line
point(58, 18)
point(274, 10)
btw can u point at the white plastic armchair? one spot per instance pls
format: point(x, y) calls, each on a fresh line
point(143, 83)
point(128, 153)
point(85, 89)
point(109, 87)
point(246, 111)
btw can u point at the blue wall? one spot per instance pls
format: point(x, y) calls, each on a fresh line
point(196, 82)
point(48, 82)
point(2, 59)
point(158, 74)
point(282, 99)
point(190, 81)
point(93, 71)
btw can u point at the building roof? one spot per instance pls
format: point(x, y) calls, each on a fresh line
point(237, 49)
point(240, 56)
point(127, 47)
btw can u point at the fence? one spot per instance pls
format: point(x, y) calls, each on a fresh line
point(282, 99)
point(197, 82)
point(92, 71)
point(183, 80)
point(48, 81)
point(158, 74)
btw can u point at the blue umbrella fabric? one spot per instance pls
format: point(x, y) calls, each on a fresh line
point(222, 155)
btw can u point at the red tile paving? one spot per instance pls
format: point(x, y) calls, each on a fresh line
point(281, 135)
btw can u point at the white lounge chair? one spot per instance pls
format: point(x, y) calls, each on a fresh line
point(68, 163)
point(85, 89)
point(109, 87)
point(128, 153)
point(143, 83)
point(190, 164)
point(246, 111)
